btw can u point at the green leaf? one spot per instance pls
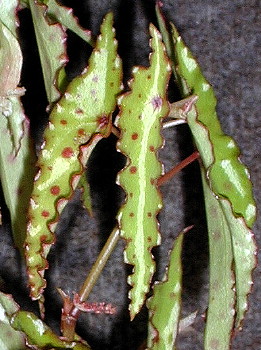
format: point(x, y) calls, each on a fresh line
point(141, 111)
point(221, 308)
point(51, 40)
point(10, 339)
point(165, 304)
point(39, 334)
point(82, 116)
point(16, 152)
point(64, 15)
point(85, 194)
point(228, 177)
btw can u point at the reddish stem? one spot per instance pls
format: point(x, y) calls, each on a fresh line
point(166, 177)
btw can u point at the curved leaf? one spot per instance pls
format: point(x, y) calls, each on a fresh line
point(83, 117)
point(39, 334)
point(141, 111)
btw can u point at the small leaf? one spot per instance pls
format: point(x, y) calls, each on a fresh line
point(51, 40)
point(64, 15)
point(10, 339)
point(39, 334)
point(141, 111)
point(165, 304)
point(82, 116)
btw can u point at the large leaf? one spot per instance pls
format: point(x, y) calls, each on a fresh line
point(16, 153)
point(227, 177)
point(82, 117)
point(165, 304)
point(141, 111)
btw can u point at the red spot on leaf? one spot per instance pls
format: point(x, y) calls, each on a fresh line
point(81, 132)
point(152, 148)
point(131, 215)
point(149, 215)
point(55, 190)
point(134, 136)
point(43, 238)
point(45, 213)
point(133, 169)
point(63, 122)
point(67, 152)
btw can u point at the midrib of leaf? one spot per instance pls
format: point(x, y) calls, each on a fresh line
point(139, 120)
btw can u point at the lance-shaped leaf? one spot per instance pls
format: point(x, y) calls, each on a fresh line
point(40, 335)
point(141, 111)
point(10, 339)
point(82, 117)
point(16, 152)
point(51, 40)
point(165, 304)
point(227, 176)
point(221, 308)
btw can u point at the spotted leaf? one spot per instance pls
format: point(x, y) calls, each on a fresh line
point(82, 117)
point(141, 111)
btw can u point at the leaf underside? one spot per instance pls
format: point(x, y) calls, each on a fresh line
point(51, 40)
point(228, 178)
point(16, 152)
point(141, 111)
point(83, 117)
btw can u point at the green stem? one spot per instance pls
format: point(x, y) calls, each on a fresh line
point(68, 322)
point(99, 265)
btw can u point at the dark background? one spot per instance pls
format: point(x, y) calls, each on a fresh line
point(225, 38)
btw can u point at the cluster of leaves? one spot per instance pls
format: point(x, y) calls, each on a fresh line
point(80, 116)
